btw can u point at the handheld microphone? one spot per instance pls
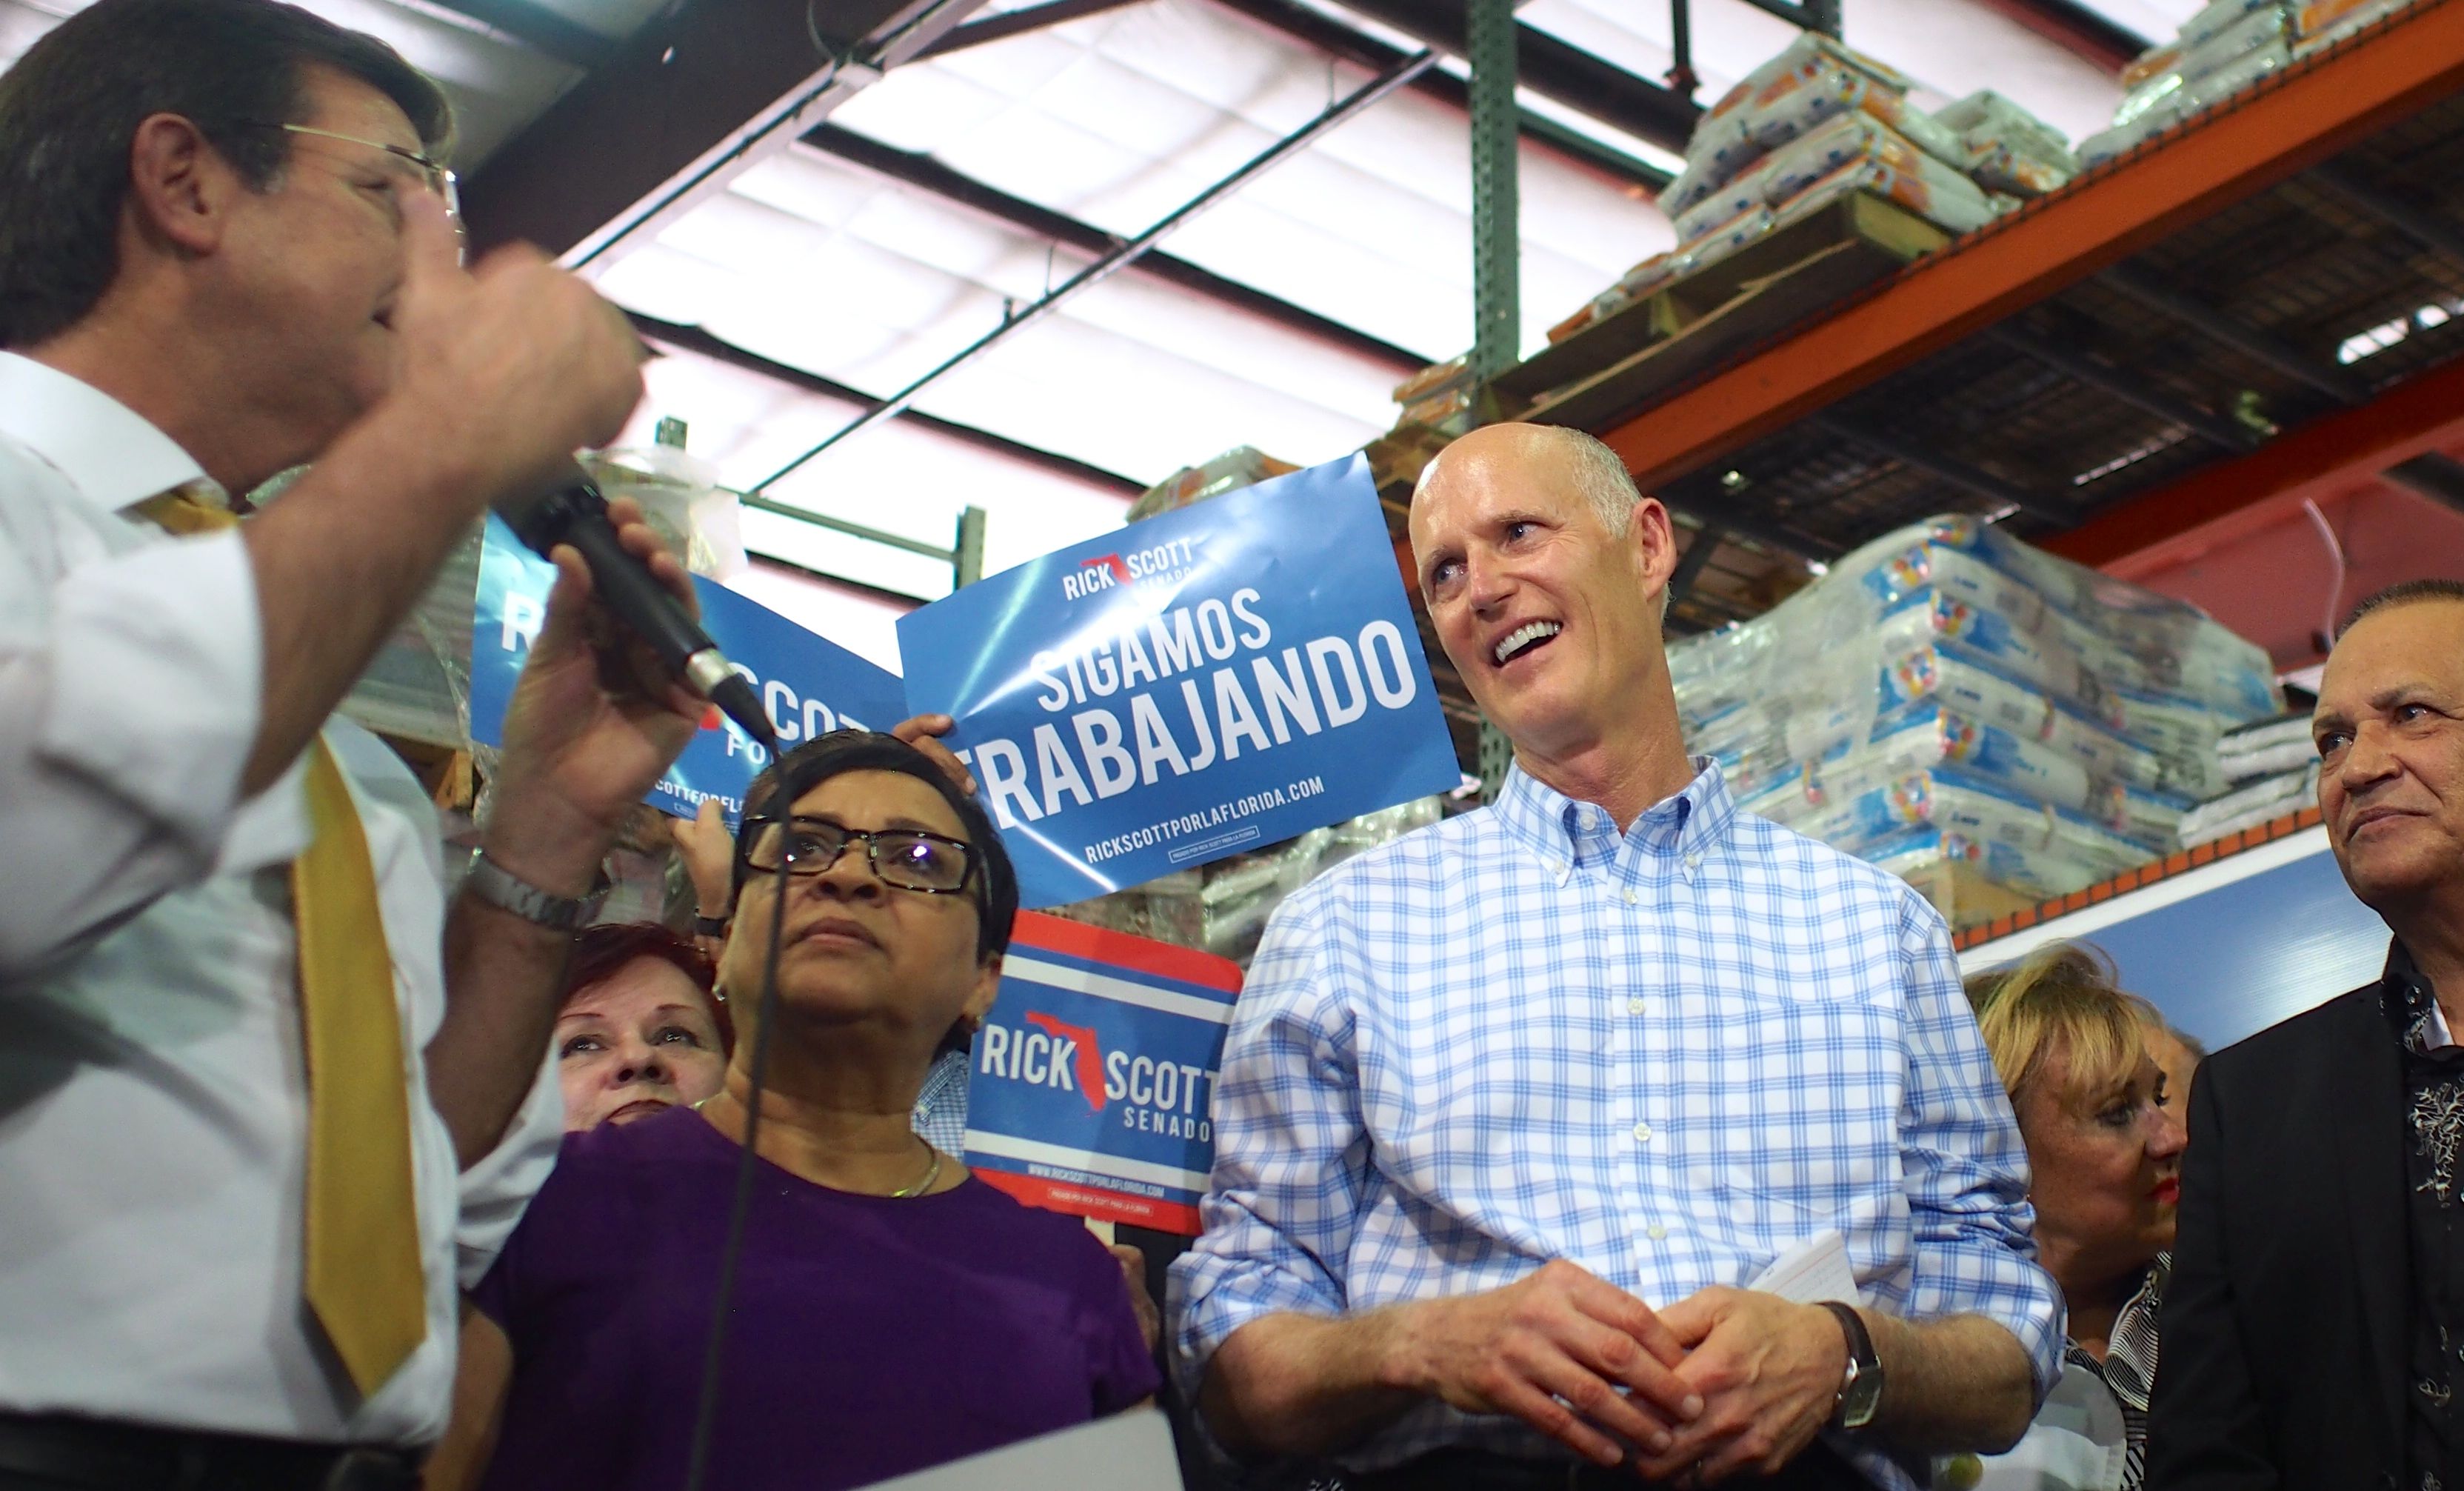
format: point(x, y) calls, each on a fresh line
point(575, 514)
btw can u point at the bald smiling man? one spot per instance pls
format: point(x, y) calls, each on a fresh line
point(1513, 1110)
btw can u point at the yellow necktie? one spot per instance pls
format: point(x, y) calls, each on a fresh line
point(363, 1275)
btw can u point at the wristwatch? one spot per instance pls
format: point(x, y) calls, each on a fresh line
point(1861, 1394)
point(714, 926)
point(506, 891)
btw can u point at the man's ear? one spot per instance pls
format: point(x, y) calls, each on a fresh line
point(181, 190)
point(1652, 534)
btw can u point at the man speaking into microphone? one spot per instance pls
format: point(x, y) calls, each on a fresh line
point(263, 1080)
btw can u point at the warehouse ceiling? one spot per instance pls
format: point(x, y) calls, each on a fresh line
point(789, 268)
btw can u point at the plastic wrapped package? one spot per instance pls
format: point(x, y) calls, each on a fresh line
point(2218, 18)
point(2263, 61)
point(418, 685)
point(1843, 142)
point(1222, 908)
point(1749, 190)
point(680, 496)
point(1241, 466)
point(1985, 120)
point(1938, 194)
point(2042, 850)
point(2261, 802)
point(1438, 378)
point(2157, 59)
point(1802, 103)
point(2326, 22)
point(1724, 240)
point(1949, 680)
point(1925, 736)
point(1717, 152)
point(2004, 169)
point(2260, 29)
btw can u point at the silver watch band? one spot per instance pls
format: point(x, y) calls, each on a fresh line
point(506, 891)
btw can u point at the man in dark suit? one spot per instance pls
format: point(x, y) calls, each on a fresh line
point(2313, 1325)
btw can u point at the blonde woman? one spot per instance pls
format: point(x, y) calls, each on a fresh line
point(2104, 1143)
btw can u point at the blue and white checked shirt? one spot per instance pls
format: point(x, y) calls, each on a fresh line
point(1666, 1056)
point(940, 1115)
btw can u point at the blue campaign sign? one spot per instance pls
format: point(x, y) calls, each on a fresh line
point(808, 684)
point(1211, 680)
point(1095, 1071)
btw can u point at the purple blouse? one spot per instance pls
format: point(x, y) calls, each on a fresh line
point(870, 1337)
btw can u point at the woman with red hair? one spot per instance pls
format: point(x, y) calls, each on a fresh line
point(641, 1030)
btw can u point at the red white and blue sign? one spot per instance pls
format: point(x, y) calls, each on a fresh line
point(1094, 1072)
point(809, 685)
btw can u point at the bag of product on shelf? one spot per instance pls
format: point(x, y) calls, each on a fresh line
point(2045, 850)
point(2215, 88)
point(2157, 59)
point(2264, 26)
point(2218, 18)
point(1241, 466)
point(1843, 142)
point(1720, 241)
point(1717, 151)
point(2006, 149)
point(1804, 101)
point(1749, 190)
point(2323, 22)
point(1438, 378)
point(1985, 118)
point(1936, 193)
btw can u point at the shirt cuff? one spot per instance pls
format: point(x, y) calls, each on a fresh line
point(157, 681)
point(497, 1188)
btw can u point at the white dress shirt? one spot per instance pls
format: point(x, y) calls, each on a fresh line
point(153, 1095)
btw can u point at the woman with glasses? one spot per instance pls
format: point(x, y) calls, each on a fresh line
point(890, 1311)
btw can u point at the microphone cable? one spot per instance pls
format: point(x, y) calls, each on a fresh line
point(758, 1070)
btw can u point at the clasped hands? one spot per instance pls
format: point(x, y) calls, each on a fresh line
point(1724, 1382)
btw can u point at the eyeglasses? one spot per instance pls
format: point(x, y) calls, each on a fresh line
point(906, 858)
point(440, 181)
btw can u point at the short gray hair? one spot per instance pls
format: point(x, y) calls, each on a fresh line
point(1601, 476)
point(2404, 592)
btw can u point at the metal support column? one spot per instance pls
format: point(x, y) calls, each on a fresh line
point(1496, 240)
point(967, 560)
point(1682, 76)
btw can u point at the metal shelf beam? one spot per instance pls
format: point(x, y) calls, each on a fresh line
point(2286, 125)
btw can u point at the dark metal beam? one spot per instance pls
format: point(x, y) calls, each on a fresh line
point(1555, 69)
point(1016, 23)
point(697, 93)
point(1822, 15)
point(2128, 387)
point(2248, 341)
point(2435, 476)
point(2087, 32)
point(693, 339)
point(1336, 115)
point(541, 30)
point(1696, 558)
point(926, 174)
point(1946, 468)
point(1331, 36)
point(2422, 227)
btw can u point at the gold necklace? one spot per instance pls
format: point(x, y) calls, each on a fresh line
point(932, 1171)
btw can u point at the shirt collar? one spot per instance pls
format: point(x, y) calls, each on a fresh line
point(1560, 828)
point(2410, 1005)
point(110, 453)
